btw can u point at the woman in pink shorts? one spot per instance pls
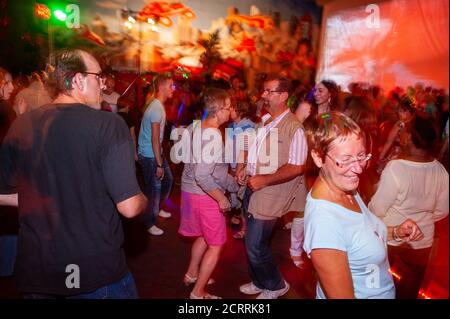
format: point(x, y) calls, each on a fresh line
point(204, 182)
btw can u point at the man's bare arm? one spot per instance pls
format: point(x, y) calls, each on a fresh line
point(9, 200)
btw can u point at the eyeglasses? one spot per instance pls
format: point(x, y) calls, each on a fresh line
point(100, 75)
point(362, 160)
point(270, 91)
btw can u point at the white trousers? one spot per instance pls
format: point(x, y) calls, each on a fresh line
point(297, 236)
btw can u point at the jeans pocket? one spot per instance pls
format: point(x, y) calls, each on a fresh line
point(129, 287)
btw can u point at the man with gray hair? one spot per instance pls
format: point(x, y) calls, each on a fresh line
point(272, 187)
point(73, 169)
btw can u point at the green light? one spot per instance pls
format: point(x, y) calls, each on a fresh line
point(291, 101)
point(60, 15)
point(185, 76)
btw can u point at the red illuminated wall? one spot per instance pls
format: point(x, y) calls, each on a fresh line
point(408, 44)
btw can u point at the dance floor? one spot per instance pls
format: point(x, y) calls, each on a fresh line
point(158, 263)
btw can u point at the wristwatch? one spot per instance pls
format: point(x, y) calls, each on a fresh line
point(159, 165)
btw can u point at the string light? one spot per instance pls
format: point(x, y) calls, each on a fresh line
point(128, 24)
point(423, 295)
point(395, 275)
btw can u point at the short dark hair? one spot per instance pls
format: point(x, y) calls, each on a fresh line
point(243, 109)
point(160, 80)
point(65, 64)
point(284, 84)
point(423, 133)
point(407, 103)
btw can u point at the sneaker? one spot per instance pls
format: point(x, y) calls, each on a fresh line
point(164, 214)
point(156, 231)
point(274, 294)
point(205, 296)
point(250, 289)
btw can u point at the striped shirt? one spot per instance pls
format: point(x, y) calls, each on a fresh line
point(298, 150)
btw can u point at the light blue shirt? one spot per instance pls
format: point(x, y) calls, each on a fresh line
point(236, 130)
point(362, 236)
point(155, 113)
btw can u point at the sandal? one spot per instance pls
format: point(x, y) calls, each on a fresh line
point(239, 235)
point(205, 296)
point(188, 280)
point(287, 226)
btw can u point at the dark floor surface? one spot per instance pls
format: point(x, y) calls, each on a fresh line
point(158, 263)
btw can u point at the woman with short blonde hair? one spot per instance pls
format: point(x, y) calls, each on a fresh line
point(345, 241)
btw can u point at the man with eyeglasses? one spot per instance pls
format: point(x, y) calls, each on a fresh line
point(271, 187)
point(73, 169)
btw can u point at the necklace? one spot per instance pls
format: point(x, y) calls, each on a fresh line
point(350, 199)
point(323, 108)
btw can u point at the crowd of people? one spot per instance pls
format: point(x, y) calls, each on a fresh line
point(363, 175)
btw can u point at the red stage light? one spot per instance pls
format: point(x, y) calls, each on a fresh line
point(423, 295)
point(42, 11)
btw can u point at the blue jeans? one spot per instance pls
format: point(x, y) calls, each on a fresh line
point(263, 269)
point(156, 190)
point(8, 246)
point(125, 288)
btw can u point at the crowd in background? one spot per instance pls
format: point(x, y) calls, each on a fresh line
point(405, 124)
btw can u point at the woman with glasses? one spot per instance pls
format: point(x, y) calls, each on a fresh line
point(204, 182)
point(345, 241)
point(415, 187)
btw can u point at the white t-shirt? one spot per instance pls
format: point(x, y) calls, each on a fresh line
point(112, 100)
point(418, 191)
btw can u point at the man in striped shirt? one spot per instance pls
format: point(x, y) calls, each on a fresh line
point(271, 187)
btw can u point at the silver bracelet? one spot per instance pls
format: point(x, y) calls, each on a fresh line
point(395, 235)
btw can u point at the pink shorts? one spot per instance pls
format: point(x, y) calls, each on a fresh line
point(200, 216)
